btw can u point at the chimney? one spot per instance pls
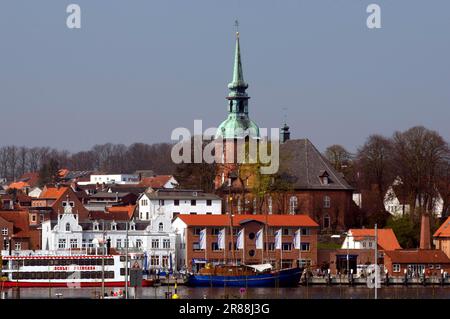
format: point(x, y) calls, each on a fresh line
point(425, 232)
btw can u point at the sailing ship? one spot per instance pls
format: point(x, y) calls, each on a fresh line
point(261, 275)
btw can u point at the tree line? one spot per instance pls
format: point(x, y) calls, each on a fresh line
point(108, 158)
point(414, 162)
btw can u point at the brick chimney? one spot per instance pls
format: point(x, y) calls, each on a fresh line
point(425, 242)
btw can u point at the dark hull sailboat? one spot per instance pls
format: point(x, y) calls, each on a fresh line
point(244, 276)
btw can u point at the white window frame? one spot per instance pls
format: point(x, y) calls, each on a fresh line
point(293, 204)
point(396, 268)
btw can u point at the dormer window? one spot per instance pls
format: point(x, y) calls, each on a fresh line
point(324, 178)
point(113, 226)
point(96, 226)
point(132, 226)
point(161, 227)
point(67, 227)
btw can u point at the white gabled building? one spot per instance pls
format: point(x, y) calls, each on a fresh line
point(396, 207)
point(111, 179)
point(171, 203)
point(155, 237)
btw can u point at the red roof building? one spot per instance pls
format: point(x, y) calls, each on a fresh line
point(441, 238)
point(415, 261)
point(246, 230)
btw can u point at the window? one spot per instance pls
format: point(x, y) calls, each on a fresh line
point(33, 218)
point(154, 261)
point(197, 231)
point(437, 267)
point(119, 243)
point(147, 215)
point(193, 202)
point(126, 243)
point(196, 246)
point(67, 227)
point(96, 226)
point(325, 180)
point(166, 243)
point(165, 261)
point(155, 243)
point(132, 226)
point(73, 243)
point(161, 202)
point(176, 202)
point(113, 226)
point(293, 203)
point(305, 246)
point(138, 243)
point(286, 231)
point(396, 267)
point(306, 231)
point(208, 202)
point(61, 243)
point(18, 246)
point(71, 204)
point(326, 221)
point(269, 205)
point(161, 227)
point(215, 246)
point(144, 202)
point(5, 231)
point(326, 202)
point(287, 246)
point(215, 231)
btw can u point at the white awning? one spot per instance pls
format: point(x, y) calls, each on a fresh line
point(261, 267)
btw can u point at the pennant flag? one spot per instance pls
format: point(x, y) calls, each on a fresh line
point(297, 239)
point(240, 239)
point(203, 239)
point(221, 239)
point(278, 239)
point(259, 239)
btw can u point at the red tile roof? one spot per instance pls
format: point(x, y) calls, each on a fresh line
point(157, 181)
point(18, 185)
point(114, 213)
point(20, 220)
point(53, 192)
point(443, 230)
point(418, 256)
point(272, 220)
point(386, 237)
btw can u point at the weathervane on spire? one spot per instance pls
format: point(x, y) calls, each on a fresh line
point(236, 24)
point(285, 114)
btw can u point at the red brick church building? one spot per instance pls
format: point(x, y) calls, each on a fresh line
point(306, 183)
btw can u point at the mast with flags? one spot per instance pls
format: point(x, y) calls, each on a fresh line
point(240, 242)
point(278, 244)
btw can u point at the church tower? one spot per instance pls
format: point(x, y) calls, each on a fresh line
point(237, 125)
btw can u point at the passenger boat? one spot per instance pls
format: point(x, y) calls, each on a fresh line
point(245, 276)
point(71, 271)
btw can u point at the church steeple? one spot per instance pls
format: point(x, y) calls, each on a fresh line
point(238, 121)
point(238, 74)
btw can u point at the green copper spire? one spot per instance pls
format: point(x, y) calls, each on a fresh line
point(238, 75)
point(238, 123)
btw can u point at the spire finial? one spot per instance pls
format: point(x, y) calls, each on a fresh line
point(236, 25)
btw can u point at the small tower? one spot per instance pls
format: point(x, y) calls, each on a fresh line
point(285, 135)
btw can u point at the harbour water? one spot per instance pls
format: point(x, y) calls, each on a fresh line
point(301, 292)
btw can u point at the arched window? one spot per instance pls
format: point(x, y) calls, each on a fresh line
point(326, 221)
point(326, 202)
point(67, 227)
point(269, 204)
point(293, 204)
point(161, 227)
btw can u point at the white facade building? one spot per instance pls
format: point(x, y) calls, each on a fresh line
point(112, 179)
point(155, 237)
point(171, 203)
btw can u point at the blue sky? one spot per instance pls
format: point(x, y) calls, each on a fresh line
point(138, 69)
